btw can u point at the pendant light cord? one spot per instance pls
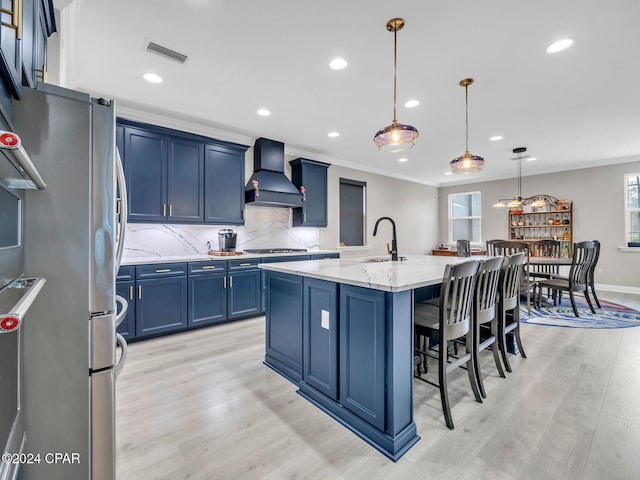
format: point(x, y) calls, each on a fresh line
point(466, 102)
point(395, 49)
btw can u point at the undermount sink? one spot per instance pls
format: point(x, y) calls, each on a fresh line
point(376, 259)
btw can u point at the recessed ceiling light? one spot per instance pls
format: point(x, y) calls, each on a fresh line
point(403, 159)
point(338, 64)
point(263, 112)
point(496, 138)
point(333, 134)
point(152, 78)
point(560, 45)
point(531, 159)
point(448, 173)
point(412, 103)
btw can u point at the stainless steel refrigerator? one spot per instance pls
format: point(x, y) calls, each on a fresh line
point(70, 229)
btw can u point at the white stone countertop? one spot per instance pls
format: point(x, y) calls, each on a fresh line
point(414, 272)
point(205, 258)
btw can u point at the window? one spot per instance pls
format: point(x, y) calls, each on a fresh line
point(632, 209)
point(352, 203)
point(465, 217)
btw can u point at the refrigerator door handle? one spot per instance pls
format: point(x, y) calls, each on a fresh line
point(123, 358)
point(123, 313)
point(124, 209)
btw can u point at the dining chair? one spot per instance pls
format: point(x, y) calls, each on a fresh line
point(592, 271)
point(450, 318)
point(545, 248)
point(509, 302)
point(576, 281)
point(485, 315)
point(511, 247)
point(490, 244)
point(464, 248)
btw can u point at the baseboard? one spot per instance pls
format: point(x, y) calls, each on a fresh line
point(617, 288)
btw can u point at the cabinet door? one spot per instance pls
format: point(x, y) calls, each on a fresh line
point(146, 174)
point(362, 353)
point(244, 293)
point(313, 176)
point(10, 52)
point(185, 188)
point(224, 185)
point(207, 299)
point(161, 305)
point(320, 336)
point(128, 326)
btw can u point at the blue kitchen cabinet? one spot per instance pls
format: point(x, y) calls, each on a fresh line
point(224, 185)
point(145, 167)
point(362, 353)
point(11, 49)
point(207, 293)
point(244, 291)
point(185, 181)
point(161, 298)
point(320, 336)
point(263, 274)
point(126, 288)
point(311, 175)
point(38, 24)
point(283, 348)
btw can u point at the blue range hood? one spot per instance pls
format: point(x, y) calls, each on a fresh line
point(268, 186)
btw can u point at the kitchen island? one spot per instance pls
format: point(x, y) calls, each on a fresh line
point(342, 331)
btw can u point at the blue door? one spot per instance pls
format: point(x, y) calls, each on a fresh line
point(185, 190)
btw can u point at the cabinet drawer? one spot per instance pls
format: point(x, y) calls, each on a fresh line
point(243, 264)
point(161, 270)
point(207, 267)
point(127, 272)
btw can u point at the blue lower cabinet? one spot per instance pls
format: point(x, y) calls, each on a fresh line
point(283, 349)
point(288, 258)
point(362, 353)
point(207, 299)
point(244, 293)
point(320, 336)
point(126, 290)
point(161, 305)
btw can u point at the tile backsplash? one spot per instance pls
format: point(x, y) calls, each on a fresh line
point(264, 227)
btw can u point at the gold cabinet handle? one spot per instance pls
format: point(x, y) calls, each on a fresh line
point(305, 217)
point(164, 210)
point(43, 74)
point(16, 18)
point(118, 206)
point(170, 210)
point(131, 292)
point(245, 264)
point(139, 292)
point(163, 270)
point(208, 267)
point(230, 282)
point(224, 282)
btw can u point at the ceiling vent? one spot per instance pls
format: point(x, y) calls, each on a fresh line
point(154, 47)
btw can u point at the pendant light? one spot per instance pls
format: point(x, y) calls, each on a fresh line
point(467, 163)
point(516, 201)
point(395, 137)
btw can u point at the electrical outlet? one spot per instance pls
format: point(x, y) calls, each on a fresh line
point(598, 270)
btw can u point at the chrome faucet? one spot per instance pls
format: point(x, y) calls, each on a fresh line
point(394, 242)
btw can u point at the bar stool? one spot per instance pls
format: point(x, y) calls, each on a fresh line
point(509, 301)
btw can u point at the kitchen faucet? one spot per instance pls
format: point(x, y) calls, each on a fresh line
point(394, 242)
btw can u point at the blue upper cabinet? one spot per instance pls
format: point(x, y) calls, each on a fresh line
point(11, 33)
point(185, 188)
point(38, 25)
point(175, 177)
point(312, 176)
point(145, 167)
point(224, 185)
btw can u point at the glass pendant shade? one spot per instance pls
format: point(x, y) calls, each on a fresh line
point(467, 163)
point(396, 137)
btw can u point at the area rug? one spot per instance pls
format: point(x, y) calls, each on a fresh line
point(611, 315)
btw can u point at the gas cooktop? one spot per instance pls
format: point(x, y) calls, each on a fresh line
point(275, 250)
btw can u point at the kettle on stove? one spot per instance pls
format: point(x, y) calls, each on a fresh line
point(227, 240)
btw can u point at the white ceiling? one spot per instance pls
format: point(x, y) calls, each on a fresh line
point(575, 109)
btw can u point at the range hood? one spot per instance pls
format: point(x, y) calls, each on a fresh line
point(268, 186)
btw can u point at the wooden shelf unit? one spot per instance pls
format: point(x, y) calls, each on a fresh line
point(534, 225)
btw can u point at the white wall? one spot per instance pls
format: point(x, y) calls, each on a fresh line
point(598, 213)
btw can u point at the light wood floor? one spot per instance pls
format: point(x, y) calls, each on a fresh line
point(201, 405)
